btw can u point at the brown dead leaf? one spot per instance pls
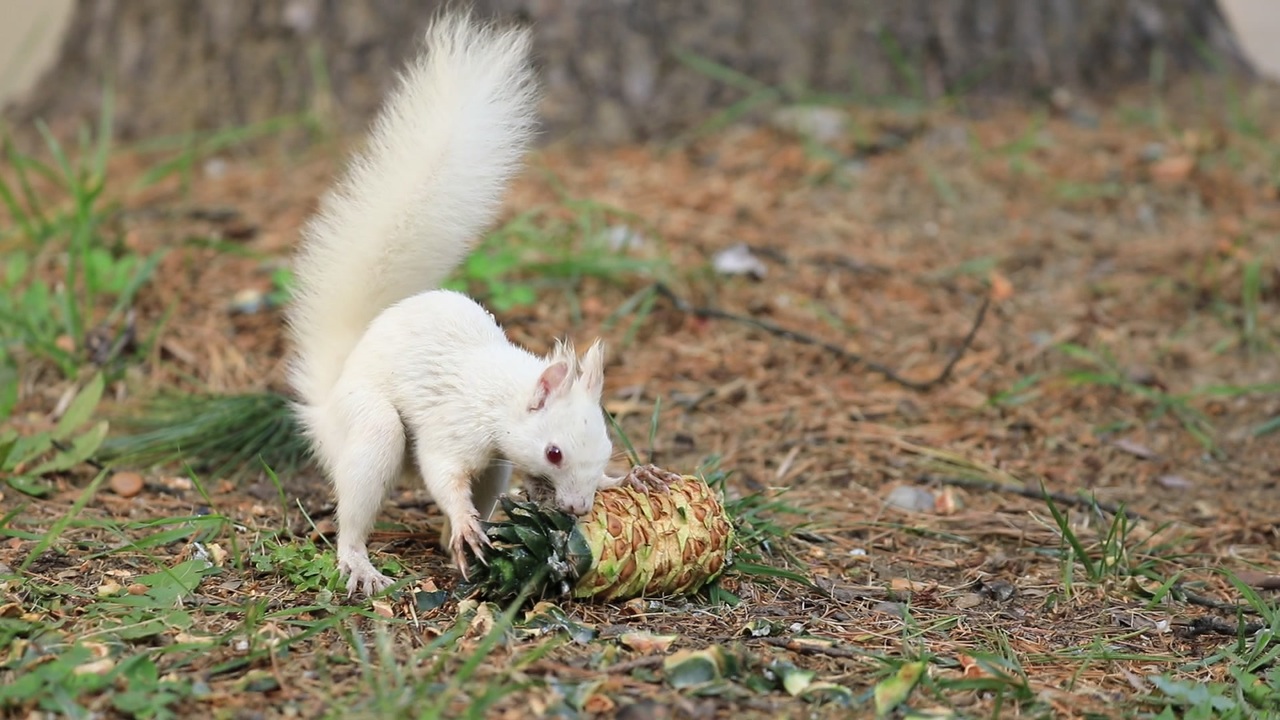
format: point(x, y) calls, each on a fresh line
point(1135, 448)
point(647, 643)
point(1173, 170)
point(599, 704)
point(109, 588)
point(1001, 286)
point(901, 584)
point(970, 667)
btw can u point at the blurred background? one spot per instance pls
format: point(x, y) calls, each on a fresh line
point(892, 270)
point(32, 30)
point(605, 66)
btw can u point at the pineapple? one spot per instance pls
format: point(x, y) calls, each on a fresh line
point(634, 542)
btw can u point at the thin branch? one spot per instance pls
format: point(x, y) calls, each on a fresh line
point(849, 358)
point(816, 648)
point(1209, 625)
point(1039, 493)
point(1205, 601)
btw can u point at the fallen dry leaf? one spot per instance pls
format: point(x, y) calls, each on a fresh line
point(1173, 170)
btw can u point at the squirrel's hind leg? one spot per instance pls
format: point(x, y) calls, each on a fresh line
point(369, 459)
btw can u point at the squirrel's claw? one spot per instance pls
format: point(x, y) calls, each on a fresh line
point(362, 575)
point(468, 535)
point(650, 478)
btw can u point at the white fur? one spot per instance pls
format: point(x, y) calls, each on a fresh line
point(383, 361)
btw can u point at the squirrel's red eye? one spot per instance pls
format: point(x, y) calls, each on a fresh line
point(554, 456)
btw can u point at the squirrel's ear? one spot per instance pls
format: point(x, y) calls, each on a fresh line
point(552, 380)
point(563, 352)
point(592, 377)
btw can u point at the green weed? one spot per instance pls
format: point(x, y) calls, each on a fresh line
point(551, 248)
point(1254, 689)
point(1250, 307)
point(27, 462)
point(1104, 371)
point(1022, 391)
point(1084, 192)
point(185, 151)
point(1267, 427)
point(1250, 696)
point(306, 567)
point(216, 435)
point(72, 241)
point(1114, 560)
point(1020, 152)
point(758, 94)
point(110, 656)
point(426, 685)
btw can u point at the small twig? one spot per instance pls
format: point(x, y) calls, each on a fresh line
point(796, 646)
point(1205, 601)
point(1034, 493)
point(850, 358)
point(1209, 625)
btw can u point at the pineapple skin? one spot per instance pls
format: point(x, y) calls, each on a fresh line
point(654, 543)
point(633, 543)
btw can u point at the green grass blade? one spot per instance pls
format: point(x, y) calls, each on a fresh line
point(1064, 526)
point(220, 435)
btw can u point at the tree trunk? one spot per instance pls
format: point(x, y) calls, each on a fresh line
point(615, 70)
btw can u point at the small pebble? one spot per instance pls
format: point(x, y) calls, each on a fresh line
point(126, 484)
point(914, 499)
point(1000, 591)
point(739, 260)
point(1174, 482)
point(622, 237)
point(821, 123)
point(1084, 118)
point(215, 167)
point(890, 608)
point(248, 302)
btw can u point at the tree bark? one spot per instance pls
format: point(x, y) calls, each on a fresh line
point(613, 69)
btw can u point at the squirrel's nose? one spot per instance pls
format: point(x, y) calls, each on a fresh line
point(577, 507)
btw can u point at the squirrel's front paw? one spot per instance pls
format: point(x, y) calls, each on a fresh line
point(467, 535)
point(650, 478)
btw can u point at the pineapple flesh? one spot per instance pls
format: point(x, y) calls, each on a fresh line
point(669, 540)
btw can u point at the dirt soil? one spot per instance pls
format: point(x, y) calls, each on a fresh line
point(1086, 227)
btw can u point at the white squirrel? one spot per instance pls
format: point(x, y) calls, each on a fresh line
point(389, 369)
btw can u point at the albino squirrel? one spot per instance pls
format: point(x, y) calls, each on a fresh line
point(390, 370)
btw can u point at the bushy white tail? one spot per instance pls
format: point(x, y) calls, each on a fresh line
point(413, 203)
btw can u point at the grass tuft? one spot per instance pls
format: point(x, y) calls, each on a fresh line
point(215, 435)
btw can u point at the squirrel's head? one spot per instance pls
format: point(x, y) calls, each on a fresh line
point(562, 442)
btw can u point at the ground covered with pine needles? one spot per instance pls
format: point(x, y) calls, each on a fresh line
point(1079, 519)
